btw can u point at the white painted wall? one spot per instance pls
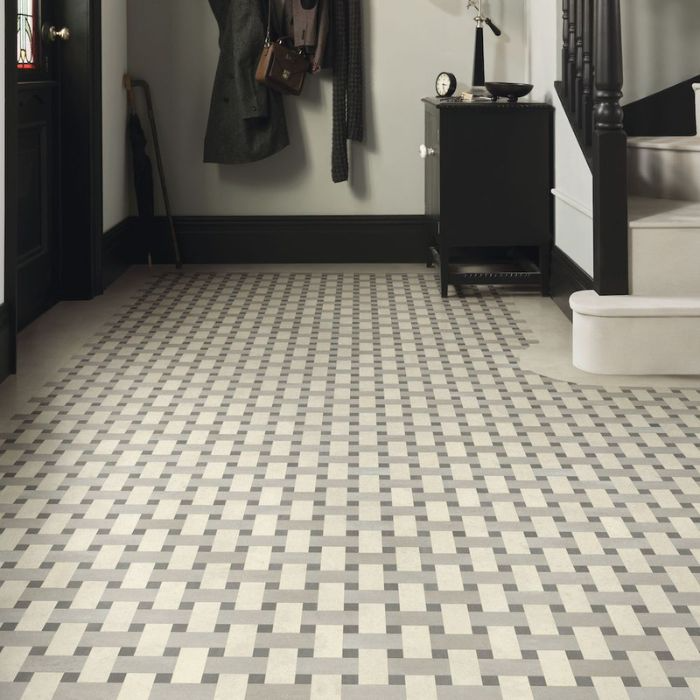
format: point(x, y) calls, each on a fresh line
point(544, 50)
point(573, 179)
point(173, 44)
point(116, 185)
point(574, 195)
point(2, 158)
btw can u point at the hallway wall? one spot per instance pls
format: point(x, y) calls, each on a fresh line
point(173, 44)
point(116, 183)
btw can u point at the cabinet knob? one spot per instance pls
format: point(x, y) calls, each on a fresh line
point(425, 152)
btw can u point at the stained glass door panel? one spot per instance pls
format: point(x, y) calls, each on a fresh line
point(27, 22)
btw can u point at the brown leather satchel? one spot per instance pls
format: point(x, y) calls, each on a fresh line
point(281, 68)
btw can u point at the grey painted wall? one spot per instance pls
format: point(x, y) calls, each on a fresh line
point(661, 44)
point(173, 44)
point(116, 183)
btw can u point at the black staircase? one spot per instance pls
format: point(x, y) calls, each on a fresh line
point(591, 90)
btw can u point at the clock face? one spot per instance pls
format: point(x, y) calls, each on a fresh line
point(445, 85)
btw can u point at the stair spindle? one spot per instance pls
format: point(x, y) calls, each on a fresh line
point(588, 72)
point(578, 90)
point(571, 60)
point(565, 47)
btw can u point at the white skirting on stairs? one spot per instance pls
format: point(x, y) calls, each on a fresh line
point(665, 167)
point(636, 335)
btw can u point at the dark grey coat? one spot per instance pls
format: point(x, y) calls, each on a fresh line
point(246, 121)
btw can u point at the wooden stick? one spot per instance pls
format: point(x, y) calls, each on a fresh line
point(129, 90)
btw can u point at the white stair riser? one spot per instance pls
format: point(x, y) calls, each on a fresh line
point(665, 262)
point(637, 346)
point(664, 174)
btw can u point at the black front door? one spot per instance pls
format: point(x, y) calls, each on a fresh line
point(39, 153)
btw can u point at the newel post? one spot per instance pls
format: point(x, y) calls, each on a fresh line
point(610, 214)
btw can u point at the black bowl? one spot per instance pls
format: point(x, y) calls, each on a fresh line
point(513, 91)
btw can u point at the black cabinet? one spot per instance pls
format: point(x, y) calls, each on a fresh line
point(489, 179)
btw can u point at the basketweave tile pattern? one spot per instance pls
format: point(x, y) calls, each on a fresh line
point(294, 486)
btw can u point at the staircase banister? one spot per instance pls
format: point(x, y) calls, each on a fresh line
point(591, 94)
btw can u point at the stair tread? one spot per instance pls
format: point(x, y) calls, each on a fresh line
point(666, 143)
point(589, 303)
point(647, 212)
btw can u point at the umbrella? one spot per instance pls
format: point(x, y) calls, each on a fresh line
point(143, 170)
point(143, 180)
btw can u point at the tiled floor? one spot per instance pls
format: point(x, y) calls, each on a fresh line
point(303, 485)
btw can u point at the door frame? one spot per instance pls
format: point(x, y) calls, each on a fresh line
point(80, 228)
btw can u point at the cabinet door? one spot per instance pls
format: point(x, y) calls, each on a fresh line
point(500, 165)
point(432, 162)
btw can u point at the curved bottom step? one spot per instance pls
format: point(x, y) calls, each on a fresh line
point(636, 335)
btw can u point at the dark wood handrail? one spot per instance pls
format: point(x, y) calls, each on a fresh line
point(591, 89)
